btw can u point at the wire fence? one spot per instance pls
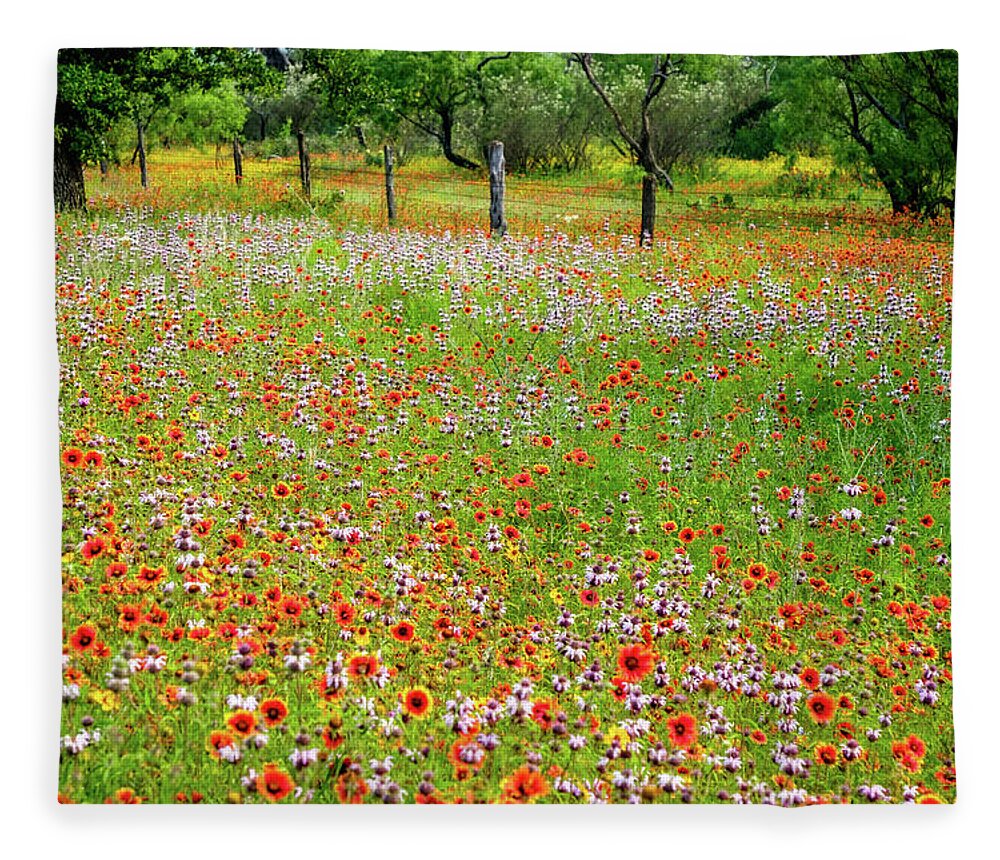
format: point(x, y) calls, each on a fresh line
point(351, 187)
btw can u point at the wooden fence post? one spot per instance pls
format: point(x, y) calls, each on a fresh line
point(498, 222)
point(390, 185)
point(648, 210)
point(304, 173)
point(237, 160)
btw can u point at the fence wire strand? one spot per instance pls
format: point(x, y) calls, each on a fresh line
point(561, 200)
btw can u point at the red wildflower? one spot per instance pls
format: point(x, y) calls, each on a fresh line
point(72, 457)
point(362, 666)
point(273, 711)
point(274, 784)
point(681, 730)
point(84, 638)
point(417, 702)
point(242, 722)
point(524, 785)
point(635, 662)
point(403, 632)
point(821, 707)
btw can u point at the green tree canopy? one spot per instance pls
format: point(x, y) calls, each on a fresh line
point(893, 115)
point(97, 87)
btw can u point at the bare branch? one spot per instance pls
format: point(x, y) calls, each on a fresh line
point(585, 62)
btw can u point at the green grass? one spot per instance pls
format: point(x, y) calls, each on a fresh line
point(292, 357)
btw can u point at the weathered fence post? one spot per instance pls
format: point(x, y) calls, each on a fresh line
point(304, 164)
point(390, 185)
point(648, 210)
point(498, 222)
point(238, 160)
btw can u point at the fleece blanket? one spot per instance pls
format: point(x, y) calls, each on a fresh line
point(504, 428)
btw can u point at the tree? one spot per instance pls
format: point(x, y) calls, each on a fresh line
point(297, 105)
point(89, 98)
point(99, 86)
point(635, 131)
point(901, 113)
point(435, 91)
point(346, 82)
point(543, 113)
point(893, 115)
point(325, 87)
point(261, 96)
point(202, 117)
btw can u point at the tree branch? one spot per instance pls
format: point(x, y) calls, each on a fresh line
point(855, 124)
point(482, 63)
point(893, 120)
point(584, 60)
point(432, 132)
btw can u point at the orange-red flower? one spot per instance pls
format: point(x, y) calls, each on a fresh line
point(149, 576)
point(681, 730)
point(522, 481)
point(826, 754)
point(543, 713)
point(362, 666)
point(821, 707)
point(72, 457)
point(635, 662)
point(809, 677)
point(274, 784)
point(524, 785)
point(273, 711)
point(403, 632)
point(343, 614)
point(218, 741)
point(242, 722)
point(125, 795)
point(351, 787)
point(84, 637)
point(92, 548)
point(417, 702)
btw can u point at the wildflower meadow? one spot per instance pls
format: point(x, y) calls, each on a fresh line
point(637, 491)
point(409, 516)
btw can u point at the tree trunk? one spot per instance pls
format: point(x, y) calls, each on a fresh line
point(67, 179)
point(304, 173)
point(141, 149)
point(648, 224)
point(237, 160)
point(647, 161)
point(390, 186)
point(359, 133)
point(641, 148)
point(498, 222)
point(447, 128)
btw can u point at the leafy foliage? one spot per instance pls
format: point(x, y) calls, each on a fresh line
point(890, 117)
point(540, 110)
